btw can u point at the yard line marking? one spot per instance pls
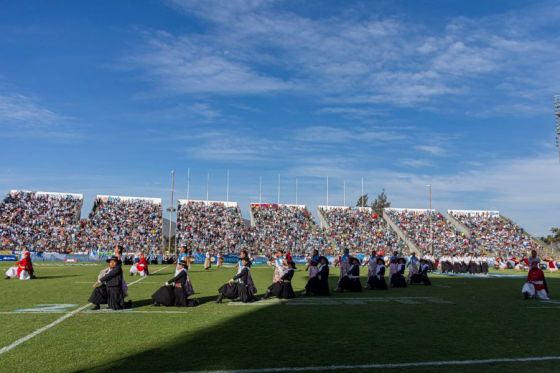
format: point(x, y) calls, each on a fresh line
point(57, 321)
point(383, 366)
point(41, 330)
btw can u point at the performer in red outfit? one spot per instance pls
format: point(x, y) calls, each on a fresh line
point(141, 267)
point(23, 269)
point(535, 287)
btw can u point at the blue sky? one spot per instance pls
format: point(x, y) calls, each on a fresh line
point(108, 97)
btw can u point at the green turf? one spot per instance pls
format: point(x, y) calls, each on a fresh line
point(474, 318)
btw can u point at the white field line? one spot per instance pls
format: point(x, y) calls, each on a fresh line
point(57, 321)
point(385, 366)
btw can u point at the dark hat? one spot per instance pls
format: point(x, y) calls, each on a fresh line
point(113, 257)
point(354, 259)
point(292, 264)
point(323, 257)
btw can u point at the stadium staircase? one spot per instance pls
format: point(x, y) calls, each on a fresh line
point(457, 224)
point(546, 249)
point(407, 241)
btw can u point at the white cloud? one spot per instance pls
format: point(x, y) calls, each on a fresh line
point(431, 149)
point(23, 116)
point(356, 58)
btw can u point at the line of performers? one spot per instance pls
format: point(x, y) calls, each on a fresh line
point(349, 279)
point(464, 264)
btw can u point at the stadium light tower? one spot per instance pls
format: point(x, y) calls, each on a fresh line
point(171, 210)
point(557, 113)
point(430, 216)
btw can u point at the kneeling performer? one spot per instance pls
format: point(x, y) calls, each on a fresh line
point(351, 281)
point(108, 288)
point(283, 287)
point(535, 287)
point(318, 284)
point(240, 286)
point(377, 282)
point(422, 276)
point(176, 291)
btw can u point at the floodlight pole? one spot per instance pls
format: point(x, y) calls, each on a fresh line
point(260, 189)
point(430, 215)
point(171, 210)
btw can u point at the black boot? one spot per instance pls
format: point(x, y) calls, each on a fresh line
point(220, 297)
point(96, 307)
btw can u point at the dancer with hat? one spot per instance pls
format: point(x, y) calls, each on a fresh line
point(240, 286)
point(283, 288)
point(422, 276)
point(377, 281)
point(176, 291)
point(351, 281)
point(108, 289)
point(397, 278)
point(318, 283)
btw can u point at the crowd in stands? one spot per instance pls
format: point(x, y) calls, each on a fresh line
point(495, 234)
point(360, 228)
point(134, 224)
point(212, 226)
point(431, 232)
point(35, 220)
point(50, 222)
point(286, 227)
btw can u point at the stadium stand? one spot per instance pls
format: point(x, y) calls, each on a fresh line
point(132, 222)
point(40, 221)
point(359, 229)
point(286, 227)
point(496, 234)
point(431, 232)
point(212, 225)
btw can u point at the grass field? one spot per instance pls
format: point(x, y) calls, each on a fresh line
point(458, 318)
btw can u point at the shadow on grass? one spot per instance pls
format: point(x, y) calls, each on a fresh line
point(282, 335)
point(41, 278)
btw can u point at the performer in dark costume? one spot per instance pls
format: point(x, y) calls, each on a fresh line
point(240, 286)
point(351, 281)
point(108, 288)
point(176, 291)
point(319, 283)
point(422, 276)
point(377, 282)
point(283, 288)
point(397, 279)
